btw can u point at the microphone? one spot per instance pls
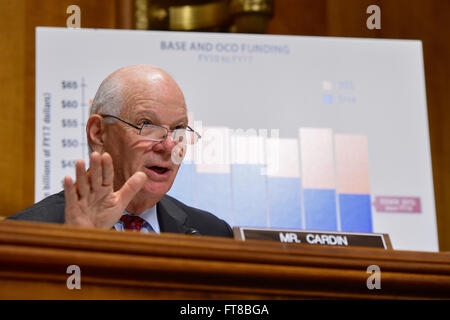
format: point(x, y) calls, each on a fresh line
point(192, 231)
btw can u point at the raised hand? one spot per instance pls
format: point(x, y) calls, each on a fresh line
point(91, 201)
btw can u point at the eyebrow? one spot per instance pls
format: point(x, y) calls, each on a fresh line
point(154, 116)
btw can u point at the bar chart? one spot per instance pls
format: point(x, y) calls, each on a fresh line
point(319, 181)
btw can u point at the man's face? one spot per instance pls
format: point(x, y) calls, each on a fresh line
point(131, 152)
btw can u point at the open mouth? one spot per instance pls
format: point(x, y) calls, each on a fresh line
point(158, 170)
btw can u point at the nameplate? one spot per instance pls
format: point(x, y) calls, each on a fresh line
point(311, 237)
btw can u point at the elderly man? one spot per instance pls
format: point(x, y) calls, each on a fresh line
point(137, 131)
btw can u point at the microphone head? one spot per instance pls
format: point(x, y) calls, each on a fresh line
point(193, 231)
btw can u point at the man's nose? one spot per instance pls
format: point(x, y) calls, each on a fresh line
point(165, 145)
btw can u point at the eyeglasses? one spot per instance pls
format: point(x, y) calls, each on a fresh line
point(155, 132)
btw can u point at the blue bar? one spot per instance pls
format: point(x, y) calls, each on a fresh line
point(249, 195)
point(355, 212)
point(184, 185)
point(320, 209)
point(284, 202)
point(214, 195)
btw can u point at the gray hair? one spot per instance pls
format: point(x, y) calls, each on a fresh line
point(108, 98)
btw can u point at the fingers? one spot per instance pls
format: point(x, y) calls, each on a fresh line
point(132, 187)
point(101, 174)
point(71, 197)
point(70, 193)
point(107, 169)
point(82, 180)
point(95, 170)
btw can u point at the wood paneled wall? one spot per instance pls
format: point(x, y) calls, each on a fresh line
point(426, 20)
point(18, 19)
point(13, 118)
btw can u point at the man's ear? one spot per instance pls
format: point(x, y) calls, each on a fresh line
point(95, 129)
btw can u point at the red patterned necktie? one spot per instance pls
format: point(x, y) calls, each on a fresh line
point(133, 223)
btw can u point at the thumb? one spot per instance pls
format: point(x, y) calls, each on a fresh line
point(132, 187)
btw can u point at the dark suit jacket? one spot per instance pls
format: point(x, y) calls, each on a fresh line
point(173, 216)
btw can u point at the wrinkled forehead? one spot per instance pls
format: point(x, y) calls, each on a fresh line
point(153, 92)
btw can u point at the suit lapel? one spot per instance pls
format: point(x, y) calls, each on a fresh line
point(170, 217)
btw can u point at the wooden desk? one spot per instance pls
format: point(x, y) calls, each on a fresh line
point(123, 265)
